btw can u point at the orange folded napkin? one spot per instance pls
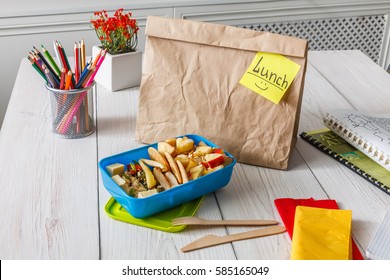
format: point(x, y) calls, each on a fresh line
point(321, 234)
point(286, 208)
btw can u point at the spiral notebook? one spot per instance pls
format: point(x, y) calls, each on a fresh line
point(368, 133)
point(379, 247)
point(333, 145)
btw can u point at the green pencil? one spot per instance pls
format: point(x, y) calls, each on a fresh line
point(38, 70)
point(51, 60)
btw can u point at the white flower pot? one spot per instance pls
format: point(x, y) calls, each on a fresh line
point(119, 71)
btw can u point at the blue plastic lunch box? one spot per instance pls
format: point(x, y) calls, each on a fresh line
point(148, 206)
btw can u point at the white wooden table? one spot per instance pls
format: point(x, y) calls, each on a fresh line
point(52, 198)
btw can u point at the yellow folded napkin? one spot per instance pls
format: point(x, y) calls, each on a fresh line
point(321, 234)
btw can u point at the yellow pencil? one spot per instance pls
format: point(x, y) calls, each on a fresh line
point(83, 62)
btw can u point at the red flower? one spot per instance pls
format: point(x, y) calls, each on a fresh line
point(117, 34)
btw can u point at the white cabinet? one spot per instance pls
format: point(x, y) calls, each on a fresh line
point(327, 25)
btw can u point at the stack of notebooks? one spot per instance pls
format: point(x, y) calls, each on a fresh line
point(361, 142)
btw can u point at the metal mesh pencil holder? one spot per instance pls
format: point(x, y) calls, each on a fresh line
point(72, 111)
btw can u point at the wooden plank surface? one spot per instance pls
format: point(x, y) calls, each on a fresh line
point(48, 205)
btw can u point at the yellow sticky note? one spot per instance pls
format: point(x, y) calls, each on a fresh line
point(321, 234)
point(270, 75)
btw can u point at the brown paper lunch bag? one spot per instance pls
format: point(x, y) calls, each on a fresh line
point(190, 85)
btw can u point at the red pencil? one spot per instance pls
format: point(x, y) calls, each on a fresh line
point(76, 63)
point(63, 78)
point(61, 56)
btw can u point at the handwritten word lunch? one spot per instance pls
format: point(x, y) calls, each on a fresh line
point(269, 76)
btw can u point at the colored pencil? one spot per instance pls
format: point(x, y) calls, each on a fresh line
point(80, 67)
point(65, 56)
point(61, 125)
point(35, 59)
point(52, 82)
point(55, 47)
point(83, 58)
point(97, 58)
point(62, 57)
point(68, 118)
point(68, 80)
point(66, 61)
point(100, 61)
point(78, 120)
point(39, 70)
point(93, 69)
point(36, 62)
point(88, 75)
point(62, 79)
point(73, 105)
point(47, 65)
point(51, 61)
point(43, 61)
point(83, 76)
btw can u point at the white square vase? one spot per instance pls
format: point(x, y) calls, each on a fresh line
point(119, 71)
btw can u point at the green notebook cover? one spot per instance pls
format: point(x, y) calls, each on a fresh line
point(333, 145)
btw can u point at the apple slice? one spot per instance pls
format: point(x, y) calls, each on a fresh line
point(171, 141)
point(174, 167)
point(163, 147)
point(213, 160)
point(202, 150)
point(196, 172)
point(184, 145)
point(183, 171)
point(192, 163)
point(210, 170)
point(183, 158)
point(171, 179)
point(150, 180)
point(161, 178)
point(154, 163)
point(218, 151)
point(155, 155)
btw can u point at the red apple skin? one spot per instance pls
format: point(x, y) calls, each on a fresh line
point(213, 160)
point(218, 151)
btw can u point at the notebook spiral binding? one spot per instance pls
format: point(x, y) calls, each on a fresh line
point(368, 148)
point(345, 162)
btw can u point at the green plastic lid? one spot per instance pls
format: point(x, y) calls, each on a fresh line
point(161, 221)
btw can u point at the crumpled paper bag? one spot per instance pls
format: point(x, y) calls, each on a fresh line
point(190, 85)
point(321, 234)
